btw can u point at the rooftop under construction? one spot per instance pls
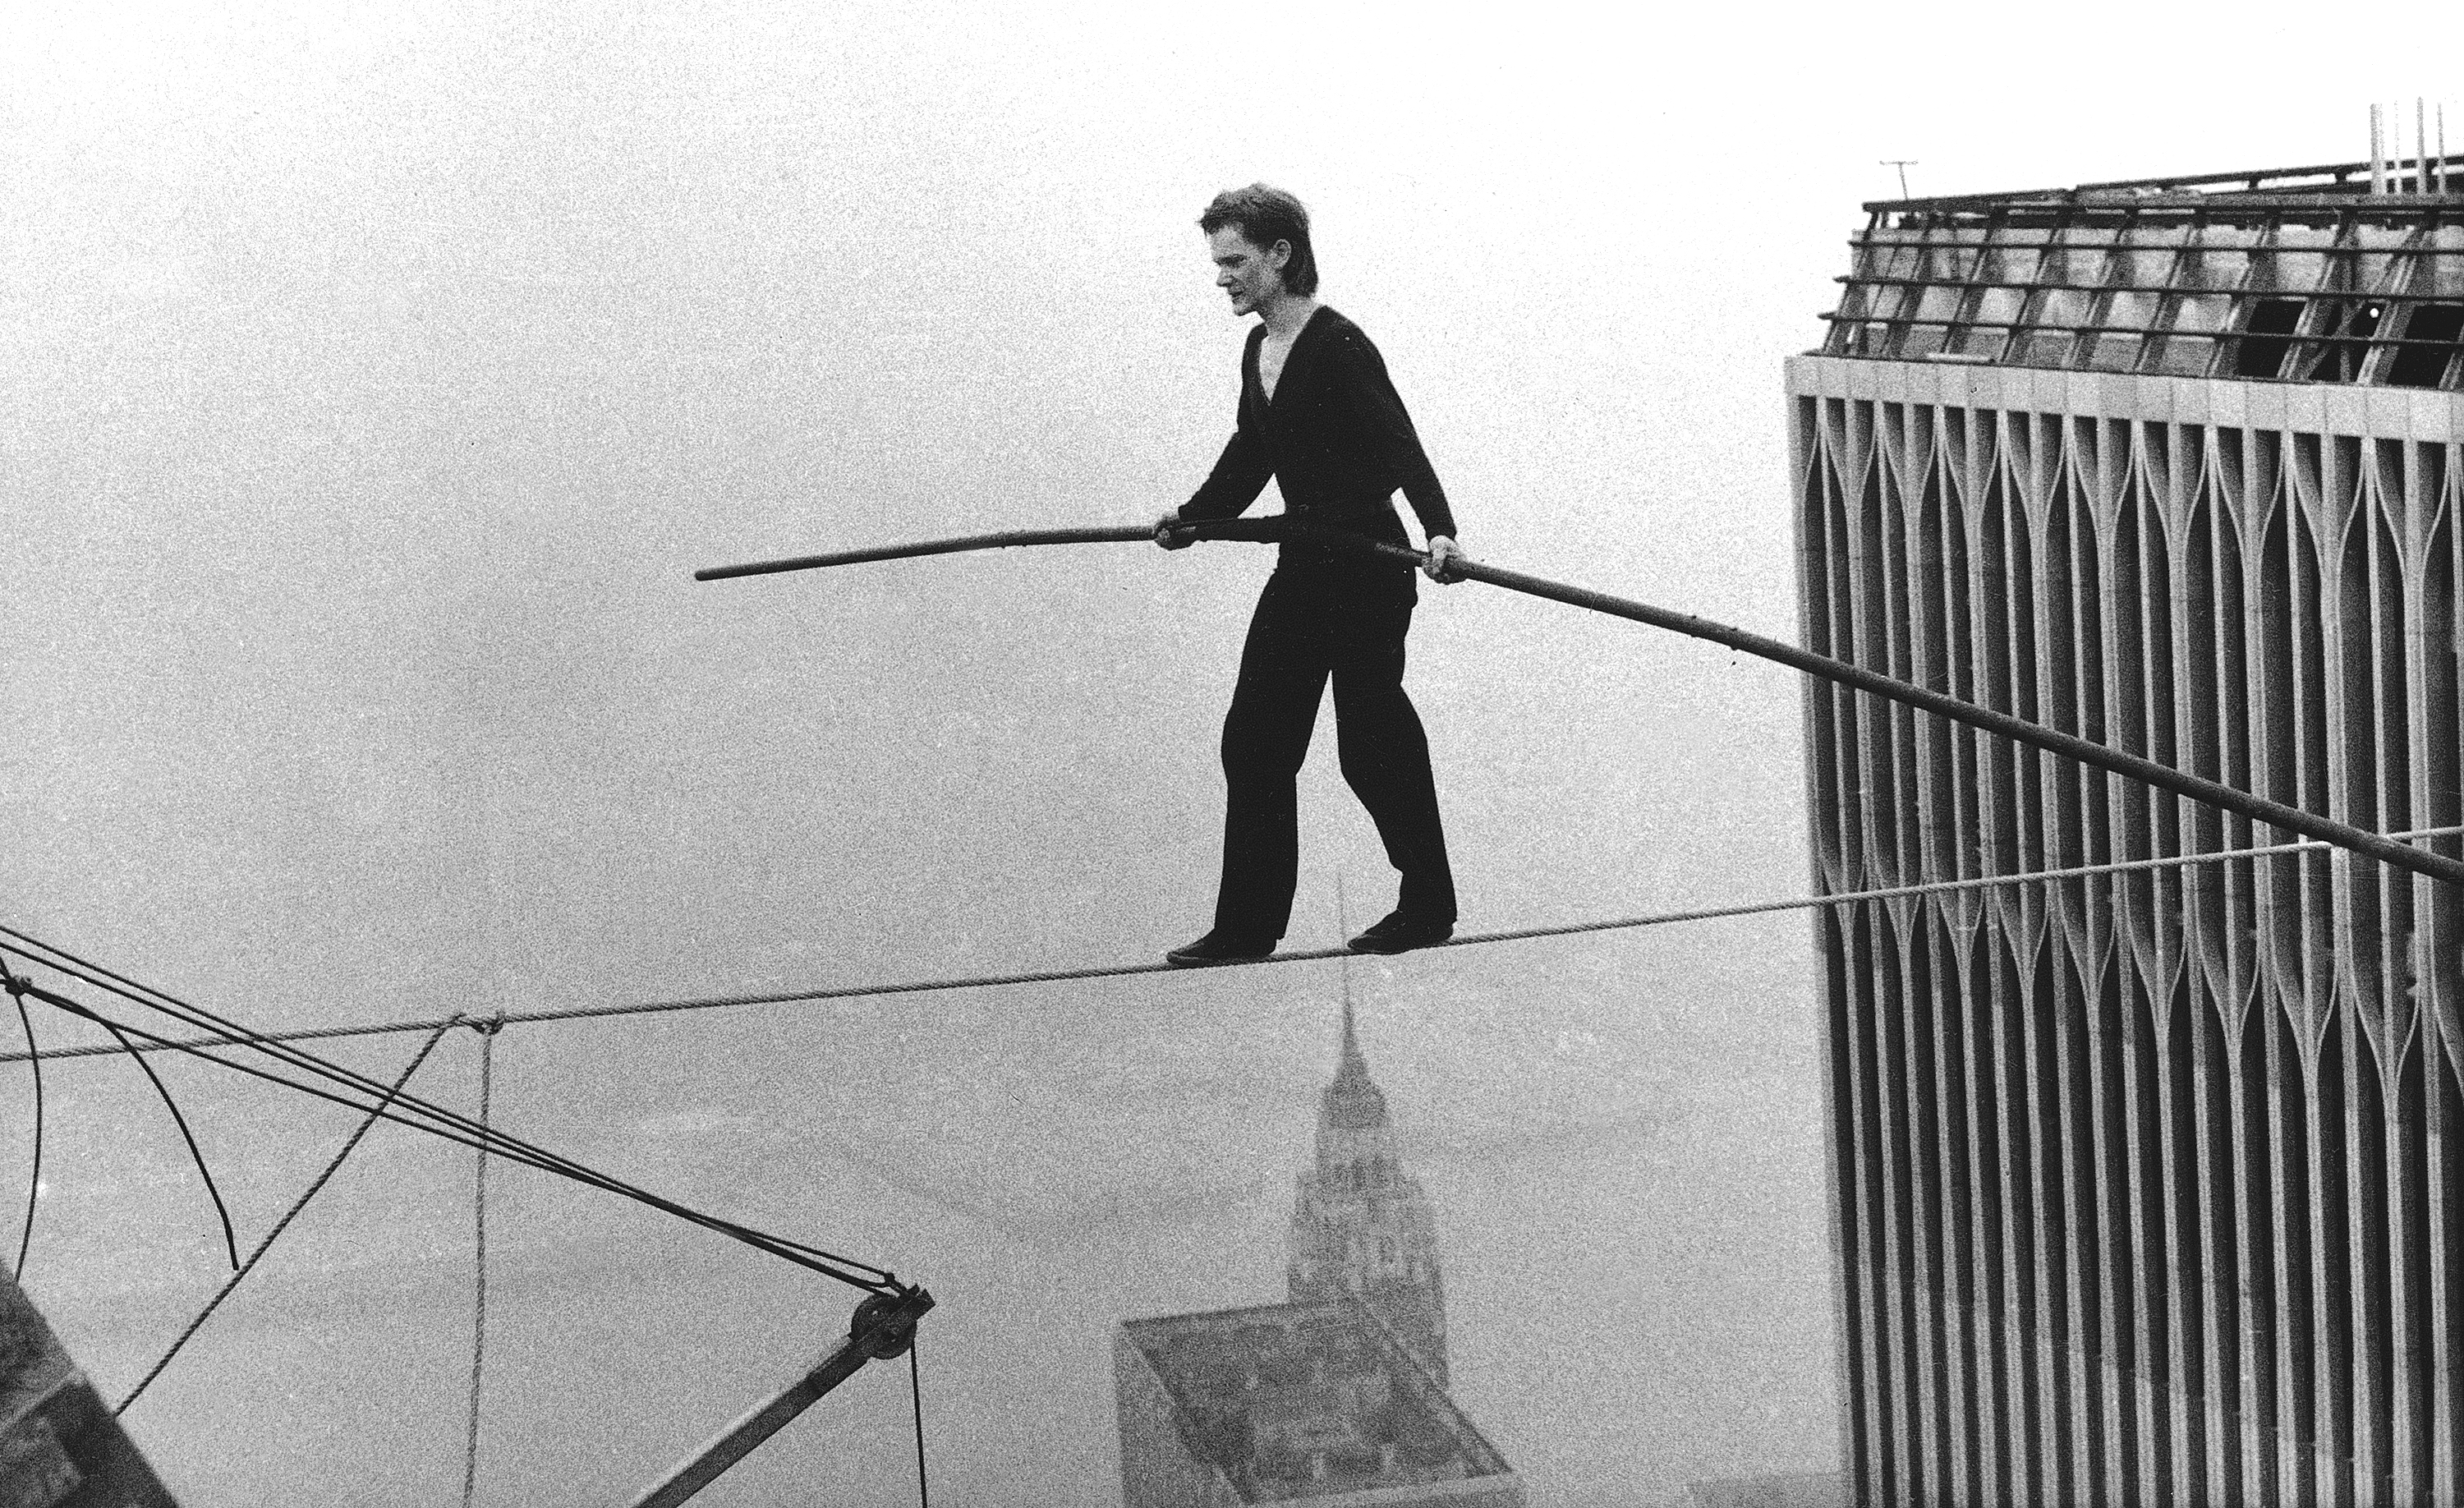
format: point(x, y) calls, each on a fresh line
point(2342, 273)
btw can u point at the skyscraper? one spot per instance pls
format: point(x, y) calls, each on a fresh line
point(2149, 1183)
point(1361, 1225)
point(1337, 1397)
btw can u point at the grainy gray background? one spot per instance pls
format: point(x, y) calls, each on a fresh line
point(374, 377)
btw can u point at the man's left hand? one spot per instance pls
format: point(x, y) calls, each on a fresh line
point(1444, 555)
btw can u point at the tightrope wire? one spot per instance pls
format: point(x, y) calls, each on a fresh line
point(1295, 955)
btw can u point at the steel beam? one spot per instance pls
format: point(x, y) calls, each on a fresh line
point(884, 1326)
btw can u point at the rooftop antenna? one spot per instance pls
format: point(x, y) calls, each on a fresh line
point(1903, 163)
point(2420, 145)
point(1343, 964)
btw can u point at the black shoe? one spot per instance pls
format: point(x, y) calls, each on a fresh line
point(1399, 933)
point(1220, 947)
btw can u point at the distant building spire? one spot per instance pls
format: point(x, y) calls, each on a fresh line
point(1353, 1102)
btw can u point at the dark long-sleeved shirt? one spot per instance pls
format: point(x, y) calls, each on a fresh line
point(1334, 437)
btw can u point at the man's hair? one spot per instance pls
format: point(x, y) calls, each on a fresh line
point(1264, 216)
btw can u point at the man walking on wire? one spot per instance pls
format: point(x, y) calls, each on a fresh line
point(1319, 414)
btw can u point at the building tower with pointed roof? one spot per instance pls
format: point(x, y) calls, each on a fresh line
point(1361, 1224)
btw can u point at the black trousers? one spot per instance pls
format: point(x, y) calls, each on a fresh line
point(1317, 623)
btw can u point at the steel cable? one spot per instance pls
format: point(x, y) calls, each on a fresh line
point(915, 1398)
point(33, 1056)
point(856, 1274)
point(231, 1242)
point(451, 1126)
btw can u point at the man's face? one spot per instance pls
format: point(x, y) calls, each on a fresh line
point(1251, 273)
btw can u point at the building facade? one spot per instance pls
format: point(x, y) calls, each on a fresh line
point(2149, 1184)
point(1361, 1225)
point(1336, 1398)
point(60, 1444)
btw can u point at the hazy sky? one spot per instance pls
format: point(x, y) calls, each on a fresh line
point(376, 376)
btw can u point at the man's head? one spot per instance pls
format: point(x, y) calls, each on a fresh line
point(1260, 240)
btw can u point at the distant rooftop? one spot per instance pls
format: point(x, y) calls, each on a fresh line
point(2332, 273)
point(1309, 1401)
point(1778, 1490)
point(2407, 181)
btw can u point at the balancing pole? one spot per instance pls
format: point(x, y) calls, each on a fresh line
point(2113, 762)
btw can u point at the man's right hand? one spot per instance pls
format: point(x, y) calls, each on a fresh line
point(1174, 533)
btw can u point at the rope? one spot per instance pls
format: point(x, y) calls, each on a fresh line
point(1295, 955)
point(915, 1396)
point(1941, 704)
point(487, 1030)
point(279, 1226)
point(33, 1056)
